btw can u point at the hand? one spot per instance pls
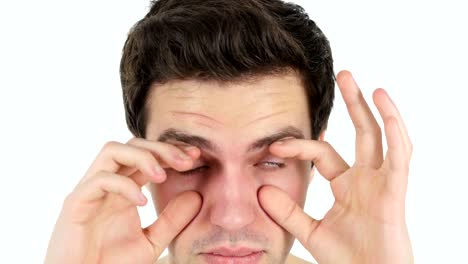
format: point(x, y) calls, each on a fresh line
point(99, 221)
point(366, 223)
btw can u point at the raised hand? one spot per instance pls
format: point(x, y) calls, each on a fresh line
point(99, 221)
point(366, 223)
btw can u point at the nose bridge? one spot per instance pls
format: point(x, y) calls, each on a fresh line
point(234, 199)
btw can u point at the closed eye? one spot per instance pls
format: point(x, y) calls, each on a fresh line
point(270, 165)
point(194, 171)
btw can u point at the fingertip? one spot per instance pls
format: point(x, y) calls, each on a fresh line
point(280, 144)
point(379, 92)
point(262, 195)
point(344, 74)
point(261, 191)
point(192, 151)
point(191, 197)
point(159, 178)
point(156, 174)
point(267, 195)
point(142, 200)
point(176, 215)
point(266, 189)
point(278, 205)
point(276, 146)
point(376, 94)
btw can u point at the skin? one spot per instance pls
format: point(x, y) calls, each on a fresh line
point(238, 201)
point(231, 116)
point(366, 224)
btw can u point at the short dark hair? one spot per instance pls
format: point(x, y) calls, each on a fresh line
point(228, 41)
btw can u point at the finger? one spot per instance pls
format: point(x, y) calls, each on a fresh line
point(286, 213)
point(396, 162)
point(328, 162)
point(104, 183)
point(368, 133)
point(168, 156)
point(174, 155)
point(388, 109)
point(176, 215)
point(115, 155)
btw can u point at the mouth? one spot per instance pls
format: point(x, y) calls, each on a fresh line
point(224, 255)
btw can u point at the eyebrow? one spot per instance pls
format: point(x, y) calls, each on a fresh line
point(203, 143)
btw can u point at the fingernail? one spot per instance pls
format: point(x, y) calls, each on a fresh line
point(283, 140)
point(142, 198)
point(183, 156)
point(188, 148)
point(279, 142)
point(158, 170)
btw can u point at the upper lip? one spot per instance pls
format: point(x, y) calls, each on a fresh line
point(232, 252)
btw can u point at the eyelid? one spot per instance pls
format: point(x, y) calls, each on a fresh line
point(200, 167)
point(285, 139)
point(193, 171)
point(274, 163)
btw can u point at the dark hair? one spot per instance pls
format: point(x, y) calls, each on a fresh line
point(228, 41)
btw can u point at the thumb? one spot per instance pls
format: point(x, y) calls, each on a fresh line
point(177, 214)
point(286, 213)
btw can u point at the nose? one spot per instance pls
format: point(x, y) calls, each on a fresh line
point(233, 201)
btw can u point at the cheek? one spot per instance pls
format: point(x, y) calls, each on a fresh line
point(293, 180)
point(173, 186)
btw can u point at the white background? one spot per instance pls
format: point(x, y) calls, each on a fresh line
point(60, 101)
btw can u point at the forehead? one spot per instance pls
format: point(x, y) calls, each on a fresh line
point(229, 110)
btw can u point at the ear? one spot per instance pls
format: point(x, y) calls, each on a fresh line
point(311, 174)
point(322, 135)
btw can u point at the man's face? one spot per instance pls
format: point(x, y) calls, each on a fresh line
point(228, 122)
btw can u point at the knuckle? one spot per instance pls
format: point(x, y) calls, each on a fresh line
point(109, 145)
point(70, 204)
point(100, 179)
point(327, 151)
point(373, 130)
point(116, 182)
point(326, 144)
point(133, 140)
point(100, 176)
point(69, 199)
point(327, 147)
point(172, 148)
point(149, 152)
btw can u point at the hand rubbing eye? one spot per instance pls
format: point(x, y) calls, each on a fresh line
point(268, 165)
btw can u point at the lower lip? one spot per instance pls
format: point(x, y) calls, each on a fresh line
point(248, 259)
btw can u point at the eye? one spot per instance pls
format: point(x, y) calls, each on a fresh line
point(271, 165)
point(193, 171)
